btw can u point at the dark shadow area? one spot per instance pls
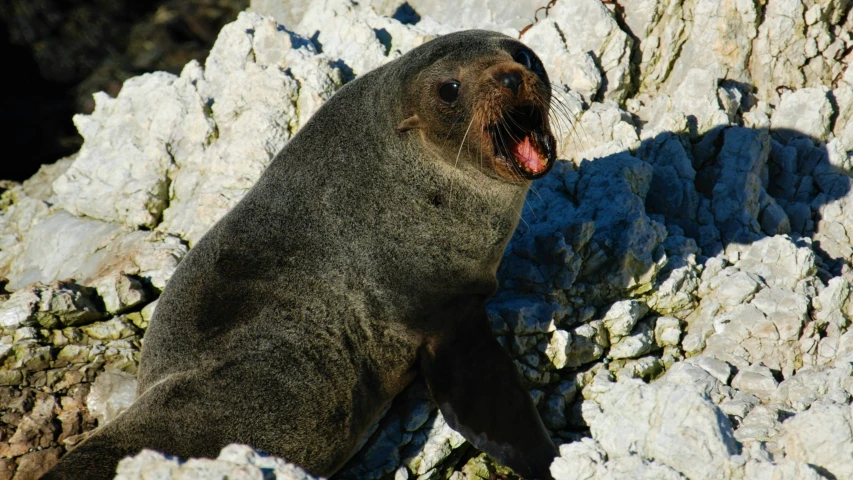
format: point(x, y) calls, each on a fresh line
point(406, 14)
point(61, 52)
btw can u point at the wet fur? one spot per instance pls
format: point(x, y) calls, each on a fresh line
point(311, 304)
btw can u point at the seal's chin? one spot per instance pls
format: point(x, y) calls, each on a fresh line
point(522, 142)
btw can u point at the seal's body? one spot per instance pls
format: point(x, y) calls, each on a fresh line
point(362, 258)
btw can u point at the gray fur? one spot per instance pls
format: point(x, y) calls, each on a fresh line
point(300, 315)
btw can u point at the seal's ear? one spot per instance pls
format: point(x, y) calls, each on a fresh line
point(410, 123)
point(480, 395)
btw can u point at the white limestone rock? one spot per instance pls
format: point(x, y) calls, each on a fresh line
point(431, 446)
point(667, 331)
point(843, 129)
point(588, 26)
point(736, 196)
point(110, 395)
point(58, 304)
point(779, 260)
point(756, 380)
point(804, 112)
point(120, 292)
point(260, 83)
point(667, 424)
point(484, 14)
point(570, 65)
point(586, 460)
point(821, 436)
point(780, 470)
point(602, 130)
point(812, 384)
point(89, 249)
point(697, 96)
point(122, 171)
point(677, 36)
point(798, 45)
point(620, 318)
point(639, 342)
point(688, 374)
point(235, 462)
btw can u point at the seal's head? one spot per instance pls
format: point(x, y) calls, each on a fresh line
point(483, 98)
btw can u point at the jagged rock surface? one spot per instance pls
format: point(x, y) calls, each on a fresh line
point(677, 296)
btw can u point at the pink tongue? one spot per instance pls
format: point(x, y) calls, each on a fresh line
point(528, 155)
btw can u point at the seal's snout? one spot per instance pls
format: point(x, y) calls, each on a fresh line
point(510, 80)
point(522, 142)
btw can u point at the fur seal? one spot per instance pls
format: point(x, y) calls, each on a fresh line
point(362, 257)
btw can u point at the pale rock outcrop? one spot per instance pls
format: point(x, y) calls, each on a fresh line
point(588, 26)
point(235, 462)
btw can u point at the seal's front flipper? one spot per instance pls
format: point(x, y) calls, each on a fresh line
point(477, 389)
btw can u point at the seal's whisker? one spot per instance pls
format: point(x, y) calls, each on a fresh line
point(536, 192)
point(563, 112)
point(456, 162)
point(516, 175)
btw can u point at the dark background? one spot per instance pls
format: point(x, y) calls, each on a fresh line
point(56, 53)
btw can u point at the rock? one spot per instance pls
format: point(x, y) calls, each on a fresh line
point(35, 430)
point(588, 344)
point(50, 306)
point(489, 15)
point(621, 317)
point(577, 70)
point(737, 192)
point(581, 459)
point(667, 331)
point(783, 469)
point(789, 50)
point(237, 462)
point(430, 447)
point(843, 130)
point(111, 394)
point(810, 385)
point(89, 249)
point(252, 63)
point(757, 380)
point(696, 378)
point(806, 112)
point(139, 171)
point(697, 98)
point(778, 260)
point(774, 220)
point(33, 465)
point(585, 459)
point(593, 28)
point(835, 303)
point(720, 370)
point(120, 292)
point(821, 436)
point(638, 343)
point(676, 37)
point(602, 130)
point(651, 421)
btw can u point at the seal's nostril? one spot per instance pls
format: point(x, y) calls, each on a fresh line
point(511, 81)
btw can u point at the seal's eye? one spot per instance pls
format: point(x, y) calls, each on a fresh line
point(530, 62)
point(449, 91)
point(523, 57)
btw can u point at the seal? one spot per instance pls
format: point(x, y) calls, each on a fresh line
point(363, 257)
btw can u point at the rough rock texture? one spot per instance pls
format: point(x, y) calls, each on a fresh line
point(235, 462)
point(677, 295)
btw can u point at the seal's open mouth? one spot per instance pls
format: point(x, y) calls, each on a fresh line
point(522, 140)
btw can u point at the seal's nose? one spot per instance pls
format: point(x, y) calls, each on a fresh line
point(511, 80)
